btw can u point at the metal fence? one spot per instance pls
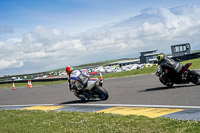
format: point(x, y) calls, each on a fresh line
point(33, 80)
point(187, 57)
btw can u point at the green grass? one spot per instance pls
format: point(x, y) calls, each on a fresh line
point(21, 121)
point(195, 63)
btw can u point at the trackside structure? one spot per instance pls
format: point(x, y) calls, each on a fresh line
point(148, 56)
point(181, 52)
point(181, 49)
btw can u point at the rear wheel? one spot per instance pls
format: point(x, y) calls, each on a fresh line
point(195, 77)
point(101, 92)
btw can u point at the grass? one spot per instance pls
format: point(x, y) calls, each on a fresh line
point(20, 121)
point(195, 63)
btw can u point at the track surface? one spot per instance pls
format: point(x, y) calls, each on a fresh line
point(138, 95)
point(143, 90)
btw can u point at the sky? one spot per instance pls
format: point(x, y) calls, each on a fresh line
point(42, 35)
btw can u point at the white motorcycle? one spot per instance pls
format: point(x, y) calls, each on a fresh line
point(92, 90)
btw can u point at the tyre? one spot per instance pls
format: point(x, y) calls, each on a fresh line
point(80, 96)
point(167, 83)
point(101, 92)
point(195, 77)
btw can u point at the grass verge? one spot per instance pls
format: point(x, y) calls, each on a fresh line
point(20, 121)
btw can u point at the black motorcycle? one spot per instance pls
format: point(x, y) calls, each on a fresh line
point(186, 76)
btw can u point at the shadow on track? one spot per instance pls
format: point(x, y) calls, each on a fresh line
point(165, 88)
point(79, 101)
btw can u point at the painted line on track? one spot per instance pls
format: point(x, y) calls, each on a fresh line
point(110, 105)
point(44, 108)
point(26, 105)
point(144, 111)
point(137, 105)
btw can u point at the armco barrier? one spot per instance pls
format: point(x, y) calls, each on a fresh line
point(187, 57)
point(34, 80)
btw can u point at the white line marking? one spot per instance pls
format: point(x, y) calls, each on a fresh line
point(136, 105)
point(106, 105)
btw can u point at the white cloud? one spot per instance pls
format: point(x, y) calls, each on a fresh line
point(9, 64)
point(46, 48)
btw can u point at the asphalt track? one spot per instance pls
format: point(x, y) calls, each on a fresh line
point(139, 95)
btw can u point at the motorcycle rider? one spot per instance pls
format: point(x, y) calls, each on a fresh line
point(174, 67)
point(77, 80)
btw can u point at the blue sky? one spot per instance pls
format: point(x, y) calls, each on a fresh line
point(72, 16)
point(50, 34)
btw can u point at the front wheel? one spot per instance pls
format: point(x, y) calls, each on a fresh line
point(101, 92)
point(195, 77)
point(166, 82)
point(81, 96)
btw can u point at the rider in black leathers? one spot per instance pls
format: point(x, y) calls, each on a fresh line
point(173, 67)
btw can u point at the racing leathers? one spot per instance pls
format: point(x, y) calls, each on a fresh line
point(77, 80)
point(174, 68)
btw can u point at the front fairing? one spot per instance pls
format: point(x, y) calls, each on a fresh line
point(75, 74)
point(91, 83)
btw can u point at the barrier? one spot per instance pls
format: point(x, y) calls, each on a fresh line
point(187, 57)
point(34, 80)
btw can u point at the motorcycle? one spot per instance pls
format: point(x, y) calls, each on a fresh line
point(92, 90)
point(185, 77)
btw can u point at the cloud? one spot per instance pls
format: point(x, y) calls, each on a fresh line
point(46, 48)
point(9, 64)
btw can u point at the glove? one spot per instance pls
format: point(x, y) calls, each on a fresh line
point(72, 88)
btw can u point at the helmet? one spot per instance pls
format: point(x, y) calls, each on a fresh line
point(69, 69)
point(160, 57)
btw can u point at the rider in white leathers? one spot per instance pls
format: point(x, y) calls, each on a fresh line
point(77, 80)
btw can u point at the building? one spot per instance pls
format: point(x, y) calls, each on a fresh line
point(148, 56)
point(181, 49)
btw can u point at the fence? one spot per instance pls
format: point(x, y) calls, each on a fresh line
point(187, 57)
point(33, 80)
